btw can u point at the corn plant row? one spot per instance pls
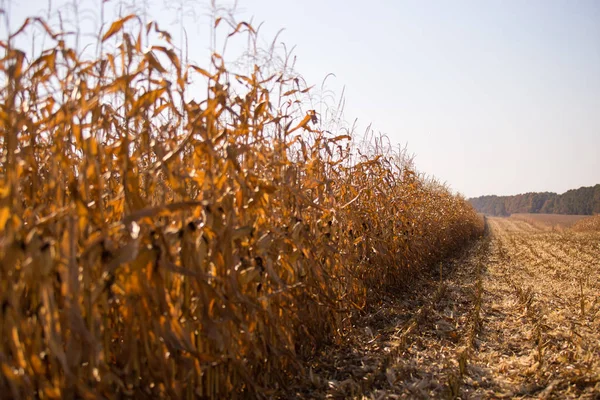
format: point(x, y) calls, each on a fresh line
point(160, 240)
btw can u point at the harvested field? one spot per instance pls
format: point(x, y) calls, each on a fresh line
point(517, 316)
point(549, 221)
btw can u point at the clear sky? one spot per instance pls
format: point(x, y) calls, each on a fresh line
point(493, 97)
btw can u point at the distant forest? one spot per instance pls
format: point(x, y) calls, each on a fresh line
point(583, 201)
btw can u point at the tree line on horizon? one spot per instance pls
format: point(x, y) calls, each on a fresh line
point(582, 201)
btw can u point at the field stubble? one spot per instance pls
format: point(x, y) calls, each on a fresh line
point(544, 309)
point(518, 315)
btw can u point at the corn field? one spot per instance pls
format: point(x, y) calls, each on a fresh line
point(160, 240)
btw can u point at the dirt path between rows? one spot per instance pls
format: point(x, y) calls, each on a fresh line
point(517, 316)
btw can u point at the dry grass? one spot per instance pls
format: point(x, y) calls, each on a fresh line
point(157, 246)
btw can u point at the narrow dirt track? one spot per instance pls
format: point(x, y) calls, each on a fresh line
point(517, 316)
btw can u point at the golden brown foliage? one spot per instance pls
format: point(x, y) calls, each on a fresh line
point(549, 221)
point(588, 224)
point(152, 245)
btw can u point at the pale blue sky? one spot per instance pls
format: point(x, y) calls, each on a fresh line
point(493, 97)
